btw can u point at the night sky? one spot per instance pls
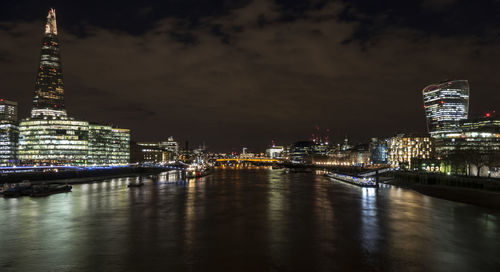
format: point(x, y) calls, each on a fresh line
point(240, 73)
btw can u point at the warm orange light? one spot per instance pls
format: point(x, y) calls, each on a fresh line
point(252, 160)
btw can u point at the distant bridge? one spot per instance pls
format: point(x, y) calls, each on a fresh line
point(238, 160)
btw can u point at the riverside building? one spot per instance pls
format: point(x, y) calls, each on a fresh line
point(462, 143)
point(157, 152)
point(120, 147)
point(9, 133)
point(403, 148)
point(108, 145)
point(446, 104)
point(49, 136)
point(378, 151)
point(476, 146)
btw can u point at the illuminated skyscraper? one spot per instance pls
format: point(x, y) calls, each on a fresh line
point(50, 137)
point(48, 98)
point(446, 103)
point(9, 133)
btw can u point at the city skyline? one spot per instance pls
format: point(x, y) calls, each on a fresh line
point(250, 135)
point(161, 78)
point(52, 137)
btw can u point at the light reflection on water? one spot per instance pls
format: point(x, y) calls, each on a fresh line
point(369, 219)
point(245, 220)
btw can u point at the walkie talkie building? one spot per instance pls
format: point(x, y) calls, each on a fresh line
point(446, 103)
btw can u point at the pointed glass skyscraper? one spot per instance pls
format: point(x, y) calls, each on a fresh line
point(50, 137)
point(48, 98)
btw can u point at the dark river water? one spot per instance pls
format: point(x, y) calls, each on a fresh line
point(245, 220)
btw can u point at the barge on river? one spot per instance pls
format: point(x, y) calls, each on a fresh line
point(361, 182)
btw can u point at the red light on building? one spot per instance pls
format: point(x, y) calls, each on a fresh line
point(442, 102)
point(488, 114)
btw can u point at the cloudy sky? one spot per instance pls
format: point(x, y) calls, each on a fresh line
point(240, 73)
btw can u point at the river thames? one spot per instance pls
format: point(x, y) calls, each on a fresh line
point(245, 220)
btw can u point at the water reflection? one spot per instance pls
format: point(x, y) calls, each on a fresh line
point(245, 220)
point(369, 219)
point(277, 208)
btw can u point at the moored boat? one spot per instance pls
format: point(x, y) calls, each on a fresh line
point(361, 182)
point(138, 184)
point(17, 189)
point(49, 189)
point(196, 170)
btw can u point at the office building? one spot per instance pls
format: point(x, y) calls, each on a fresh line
point(8, 111)
point(474, 149)
point(53, 141)
point(100, 141)
point(378, 151)
point(9, 133)
point(108, 145)
point(157, 152)
point(275, 152)
point(49, 136)
point(446, 103)
point(403, 148)
point(120, 147)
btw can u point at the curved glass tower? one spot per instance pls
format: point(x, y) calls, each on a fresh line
point(446, 103)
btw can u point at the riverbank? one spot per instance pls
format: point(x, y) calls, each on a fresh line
point(79, 176)
point(85, 180)
point(457, 189)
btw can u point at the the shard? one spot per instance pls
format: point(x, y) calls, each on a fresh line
point(48, 98)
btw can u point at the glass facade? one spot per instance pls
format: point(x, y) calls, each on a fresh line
point(108, 145)
point(445, 104)
point(120, 146)
point(48, 97)
point(378, 150)
point(100, 139)
point(49, 136)
point(9, 133)
point(479, 136)
point(8, 111)
point(157, 152)
point(53, 141)
point(404, 148)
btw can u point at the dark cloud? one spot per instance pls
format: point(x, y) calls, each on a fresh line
point(233, 73)
point(4, 56)
point(126, 16)
point(446, 18)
